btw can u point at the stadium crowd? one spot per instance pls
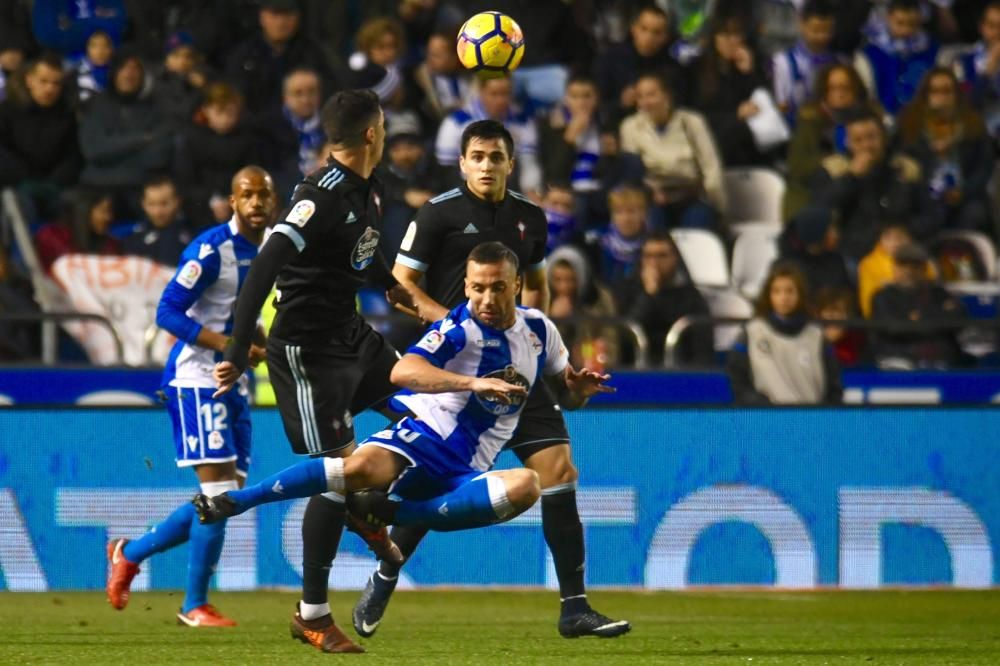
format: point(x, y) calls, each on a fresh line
point(122, 122)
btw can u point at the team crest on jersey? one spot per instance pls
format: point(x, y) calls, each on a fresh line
point(536, 344)
point(511, 376)
point(300, 213)
point(432, 341)
point(215, 440)
point(188, 275)
point(365, 249)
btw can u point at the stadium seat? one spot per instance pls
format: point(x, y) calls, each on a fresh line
point(753, 253)
point(727, 303)
point(705, 257)
point(982, 243)
point(754, 226)
point(754, 194)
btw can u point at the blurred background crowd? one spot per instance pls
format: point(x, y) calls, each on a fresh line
point(783, 161)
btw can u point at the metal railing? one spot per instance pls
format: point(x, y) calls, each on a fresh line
point(682, 325)
point(55, 318)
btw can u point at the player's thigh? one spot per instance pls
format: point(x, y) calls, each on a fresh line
point(377, 358)
point(204, 432)
point(372, 467)
point(313, 388)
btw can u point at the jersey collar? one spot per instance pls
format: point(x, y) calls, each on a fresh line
point(483, 202)
point(351, 176)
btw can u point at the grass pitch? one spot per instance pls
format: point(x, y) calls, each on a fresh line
point(437, 627)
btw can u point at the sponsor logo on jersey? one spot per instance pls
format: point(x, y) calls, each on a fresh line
point(300, 213)
point(432, 341)
point(189, 274)
point(511, 376)
point(411, 233)
point(487, 342)
point(365, 249)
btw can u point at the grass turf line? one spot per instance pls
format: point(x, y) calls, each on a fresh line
point(437, 627)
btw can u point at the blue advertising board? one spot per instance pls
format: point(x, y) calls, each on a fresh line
point(795, 498)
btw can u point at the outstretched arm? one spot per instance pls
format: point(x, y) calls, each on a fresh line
point(420, 376)
point(573, 388)
point(419, 304)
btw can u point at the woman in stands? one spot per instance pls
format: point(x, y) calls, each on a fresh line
point(782, 357)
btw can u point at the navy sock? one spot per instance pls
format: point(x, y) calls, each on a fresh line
point(407, 538)
point(206, 549)
point(174, 530)
point(306, 479)
point(322, 526)
point(564, 537)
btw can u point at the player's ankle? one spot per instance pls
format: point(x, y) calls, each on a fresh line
point(575, 604)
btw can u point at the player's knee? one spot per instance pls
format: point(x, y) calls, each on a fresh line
point(523, 489)
point(358, 470)
point(561, 472)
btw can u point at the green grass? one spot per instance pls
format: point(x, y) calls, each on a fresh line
point(437, 627)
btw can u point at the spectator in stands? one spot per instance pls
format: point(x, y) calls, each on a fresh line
point(212, 148)
point(178, 86)
point(445, 85)
point(898, 54)
point(294, 144)
point(809, 242)
point(13, 51)
point(980, 68)
point(782, 357)
point(258, 65)
point(949, 140)
point(682, 165)
point(870, 186)
point(576, 293)
point(657, 294)
point(494, 99)
point(163, 234)
point(877, 269)
point(66, 26)
point(123, 136)
point(647, 50)
point(82, 227)
point(558, 205)
point(90, 71)
point(381, 40)
point(820, 129)
point(794, 70)
point(18, 341)
point(570, 137)
point(616, 249)
point(410, 176)
point(39, 149)
point(849, 345)
point(720, 84)
point(911, 299)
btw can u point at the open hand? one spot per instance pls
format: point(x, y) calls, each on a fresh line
point(497, 390)
point(586, 383)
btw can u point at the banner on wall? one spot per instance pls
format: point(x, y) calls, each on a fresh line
point(794, 498)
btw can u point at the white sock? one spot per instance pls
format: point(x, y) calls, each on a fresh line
point(213, 488)
point(498, 497)
point(334, 469)
point(313, 611)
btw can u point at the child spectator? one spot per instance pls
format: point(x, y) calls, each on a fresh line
point(575, 293)
point(445, 84)
point(618, 247)
point(782, 357)
point(570, 138)
point(559, 212)
point(178, 85)
point(898, 54)
point(381, 40)
point(912, 298)
point(91, 70)
point(820, 129)
point(794, 70)
point(980, 68)
point(682, 166)
point(162, 235)
point(657, 294)
point(850, 345)
point(877, 268)
point(809, 242)
point(214, 147)
point(950, 142)
point(870, 186)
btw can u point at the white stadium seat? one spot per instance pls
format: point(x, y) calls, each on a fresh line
point(705, 257)
point(753, 253)
point(727, 303)
point(754, 194)
point(984, 247)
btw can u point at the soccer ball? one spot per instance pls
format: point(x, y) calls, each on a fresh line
point(490, 43)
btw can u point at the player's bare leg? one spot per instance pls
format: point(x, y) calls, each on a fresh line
point(564, 536)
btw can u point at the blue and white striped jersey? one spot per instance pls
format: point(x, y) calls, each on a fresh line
point(474, 429)
point(203, 294)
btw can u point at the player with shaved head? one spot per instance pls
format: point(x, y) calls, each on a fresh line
point(212, 435)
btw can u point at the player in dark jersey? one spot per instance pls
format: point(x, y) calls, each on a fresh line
point(434, 248)
point(325, 362)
